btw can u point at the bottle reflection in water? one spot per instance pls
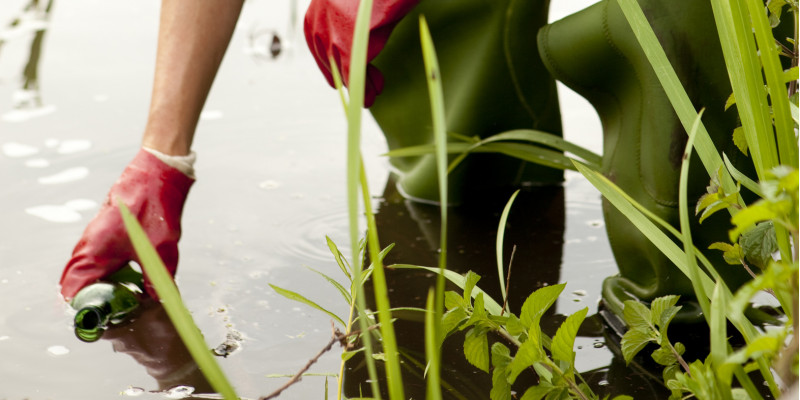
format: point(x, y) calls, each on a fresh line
point(101, 304)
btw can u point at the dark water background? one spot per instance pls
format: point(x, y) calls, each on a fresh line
point(74, 91)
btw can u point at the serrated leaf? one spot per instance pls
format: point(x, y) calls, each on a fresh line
point(791, 74)
point(636, 315)
point(680, 348)
point(659, 309)
point(564, 340)
point(454, 300)
point(759, 243)
point(537, 392)
point(775, 8)
point(478, 316)
point(471, 279)
point(501, 358)
point(528, 353)
point(538, 303)
point(452, 319)
point(476, 348)
point(300, 298)
point(712, 209)
point(732, 254)
point(514, 326)
point(543, 372)
point(664, 356)
point(706, 201)
point(669, 372)
point(634, 340)
point(740, 140)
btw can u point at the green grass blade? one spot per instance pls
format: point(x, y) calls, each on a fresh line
point(358, 66)
point(501, 233)
point(742, 178)
point(394, 378)
point(436, 96)
point(683, 210)
point(173, 305)
point(744, 71)
point(718, 334)
point(547, 139)
point(434, 386)
point(302, 299)
point(673, 89)
point(773, 71)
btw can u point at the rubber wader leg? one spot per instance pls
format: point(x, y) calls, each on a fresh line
point(493, 81)
point(595, 53)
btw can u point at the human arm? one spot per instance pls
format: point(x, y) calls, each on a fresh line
point(193, 37)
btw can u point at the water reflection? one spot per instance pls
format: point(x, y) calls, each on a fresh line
point(151, 340)
point(536, 226)
point(27, 100)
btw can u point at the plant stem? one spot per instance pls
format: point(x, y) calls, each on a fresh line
point(508, 279)
point(679, 358)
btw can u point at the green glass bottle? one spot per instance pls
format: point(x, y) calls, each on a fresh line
point(101, 304)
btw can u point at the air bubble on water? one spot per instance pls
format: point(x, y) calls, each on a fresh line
point(133, 392)
point(579, 292)
point(595, 223)
point(15, 150)
point(65, 176)
point(598, 345)
point(602, 382)
point(179, 392)
point(57, 350)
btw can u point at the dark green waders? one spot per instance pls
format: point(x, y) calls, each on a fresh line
point(493, 81)
point(595, 53)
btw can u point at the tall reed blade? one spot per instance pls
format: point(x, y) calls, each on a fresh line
point(435, 93)
point(173, 305)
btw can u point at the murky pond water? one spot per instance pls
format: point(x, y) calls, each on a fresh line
point(271, 152)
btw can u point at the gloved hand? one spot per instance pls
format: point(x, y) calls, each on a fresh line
point(155, 193)
point(329, 28)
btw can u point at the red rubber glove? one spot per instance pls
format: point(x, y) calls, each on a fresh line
point(155, 193)
point(329, 28)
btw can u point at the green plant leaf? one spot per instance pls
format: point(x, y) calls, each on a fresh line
point(740, 140)
point(340, 260)
point(759, 243)
point(476, 348)
point(501, 231)
point(302, 299)
point(662, 309)
point(432, 343)
point(529, 353)
point(564, 339)
point(471, 279)
point(664, 356)
point(478, 316)
point(514, 326)
point(539, 302)
point(454, 300)
point(171, 300)
point(537, 392)
point(742, 178)
point(452, 319)
point(501, 358)
point(637, 315)
point(634, 341)
point(732, 254)
point(337, 285)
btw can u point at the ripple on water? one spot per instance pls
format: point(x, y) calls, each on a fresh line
point(305, 238)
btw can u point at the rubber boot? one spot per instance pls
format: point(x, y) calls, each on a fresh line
point(493, 81)
point(595, 53)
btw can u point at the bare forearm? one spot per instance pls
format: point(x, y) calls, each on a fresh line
point(192, 40)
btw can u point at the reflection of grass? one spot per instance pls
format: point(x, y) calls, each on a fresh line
point(176, 310)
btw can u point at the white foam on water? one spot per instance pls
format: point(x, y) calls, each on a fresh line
point(269, 184)
point(65, 176)
point(57, 350)
point(51, 142)
point(37, 163)
point(15, 150)
point(73, 146)
point(53, 213)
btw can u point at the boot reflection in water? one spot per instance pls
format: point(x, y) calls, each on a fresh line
point(535, 226)
point(595, 53)
point(151, 339)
